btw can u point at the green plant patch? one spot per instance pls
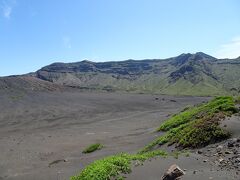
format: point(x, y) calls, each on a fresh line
point(224, 104)
point(113, 166)
point(196, 127)
point(92, 148)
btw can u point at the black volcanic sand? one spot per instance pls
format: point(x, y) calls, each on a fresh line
point(38, 128)
point(195, 167)
point(215, 161)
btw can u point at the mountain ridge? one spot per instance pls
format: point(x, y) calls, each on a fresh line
point(186, 74)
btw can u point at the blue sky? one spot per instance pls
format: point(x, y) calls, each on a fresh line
point(36, 33)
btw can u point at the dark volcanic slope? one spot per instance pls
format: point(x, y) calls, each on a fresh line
point(26, 83)
point(187, 74)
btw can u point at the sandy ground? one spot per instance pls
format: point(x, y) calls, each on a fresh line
point(194, 166)
point(39, 128)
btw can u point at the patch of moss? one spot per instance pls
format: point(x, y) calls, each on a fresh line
point(114, 166)
point(196, 127)
point(92, 148)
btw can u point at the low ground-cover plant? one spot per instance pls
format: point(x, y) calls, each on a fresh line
point(197, 126)
point(237, 100)
point(114, 166)
point(224, 104)
point(92, 148)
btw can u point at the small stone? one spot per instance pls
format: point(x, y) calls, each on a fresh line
point(174, 172)
point(231, 144)
point(237, 160)
point(199, 151)
point(195, 171)
point(235, 151)
point(205, 160)
point(210, 177)
point(220, 160)
point(137, 163)
point(228, 152)
point(219, 148)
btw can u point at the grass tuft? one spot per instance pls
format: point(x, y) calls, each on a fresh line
point(92, 148)
point(114, 166)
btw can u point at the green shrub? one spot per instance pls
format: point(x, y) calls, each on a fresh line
point(92, 148)
point(113, 166)
point(197, 126)
point(225, 104)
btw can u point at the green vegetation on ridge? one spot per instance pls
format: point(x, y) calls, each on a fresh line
point(197, 126)
point(187, 74)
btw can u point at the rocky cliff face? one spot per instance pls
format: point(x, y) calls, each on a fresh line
point(189, 74)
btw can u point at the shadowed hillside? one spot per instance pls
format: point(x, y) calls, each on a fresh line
point(190, 74)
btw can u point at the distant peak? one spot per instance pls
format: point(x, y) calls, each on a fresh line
point(186, 57)
point(86, 61)
point(203, 55)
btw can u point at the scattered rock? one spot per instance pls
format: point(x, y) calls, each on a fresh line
point(205, 160)
point(228, 152)
point(220, 160)
point(138, 163)
point(173, 173)
point(219, 148)
point(195, 171)
point(230, 144)
point(199, 151)
point(56, 162)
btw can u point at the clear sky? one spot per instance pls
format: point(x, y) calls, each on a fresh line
point(35, 33)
